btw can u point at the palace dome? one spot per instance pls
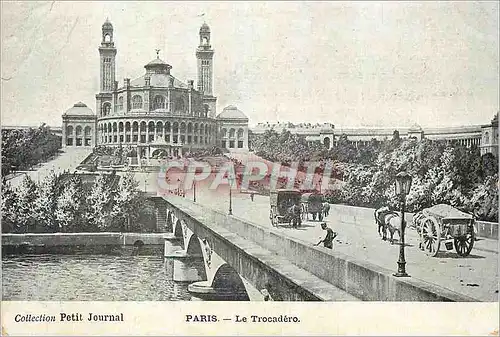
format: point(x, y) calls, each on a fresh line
point(79, 109)
point(232, 112)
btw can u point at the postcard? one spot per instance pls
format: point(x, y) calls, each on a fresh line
point(170, 167)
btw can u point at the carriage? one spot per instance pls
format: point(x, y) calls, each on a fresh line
point(444, 223)
point(280, 201)
point(312, 203)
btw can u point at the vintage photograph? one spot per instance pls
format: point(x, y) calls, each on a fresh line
point(249, 151)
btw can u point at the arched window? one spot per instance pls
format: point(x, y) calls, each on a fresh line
point(206, 109)
point(69, 130)
point(190, 128)
point(120, 127)
point(223, 133)
point(107, 38)
point(231, 133)
point(326, 142)
point(240, 133)
point(151, 126)
point(120, 103)
point(159, 102)
point(106, 109)
point(136, 102)
point(135, 126)
point(486, 137)
point(159, 127)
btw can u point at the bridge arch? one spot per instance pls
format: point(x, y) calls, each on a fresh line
point(170, 220)
point(179, 233)
point(229, 281)
point(194, 246)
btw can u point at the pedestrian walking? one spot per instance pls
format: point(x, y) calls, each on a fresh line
point(330, 236)
point(251, 196)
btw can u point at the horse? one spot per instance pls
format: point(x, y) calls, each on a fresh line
point(417, 219)
point(393, 224)
point(387, 220)
point(293, 214)
point(326, 209)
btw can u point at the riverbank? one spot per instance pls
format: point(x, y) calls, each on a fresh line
point(83, 243)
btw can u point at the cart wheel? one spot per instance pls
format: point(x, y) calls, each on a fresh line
point(463, 244)
point(430, 236)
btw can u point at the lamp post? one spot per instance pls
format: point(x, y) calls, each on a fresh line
point(230, 178)
point(194, 191)
point(402, 188)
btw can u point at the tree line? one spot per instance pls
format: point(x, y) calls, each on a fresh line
point(442, 172)
point(76, 203)
point(23, 149)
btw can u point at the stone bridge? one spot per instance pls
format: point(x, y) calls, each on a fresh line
point(226, 266)
point(228, 258)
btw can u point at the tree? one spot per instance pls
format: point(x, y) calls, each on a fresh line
point(99, 205)
point(126, 199)
point(10, 221)
point(45, 204)
point(489, 165)
point(68, 206)
point(484, 201)
point(26, 195)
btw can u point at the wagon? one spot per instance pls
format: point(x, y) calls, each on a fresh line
point(280, 201)
point(444, 223)
point(312, 203)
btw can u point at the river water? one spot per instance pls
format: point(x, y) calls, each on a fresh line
point(51, 277)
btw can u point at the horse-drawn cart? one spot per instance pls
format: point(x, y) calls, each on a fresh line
point(285, 206)
point(444, 223)
point(312, 203)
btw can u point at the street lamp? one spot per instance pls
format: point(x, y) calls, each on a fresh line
point(402, 188)
point(194, 191)
point(230, 178)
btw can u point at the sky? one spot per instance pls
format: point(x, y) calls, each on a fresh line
point(353, 64)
